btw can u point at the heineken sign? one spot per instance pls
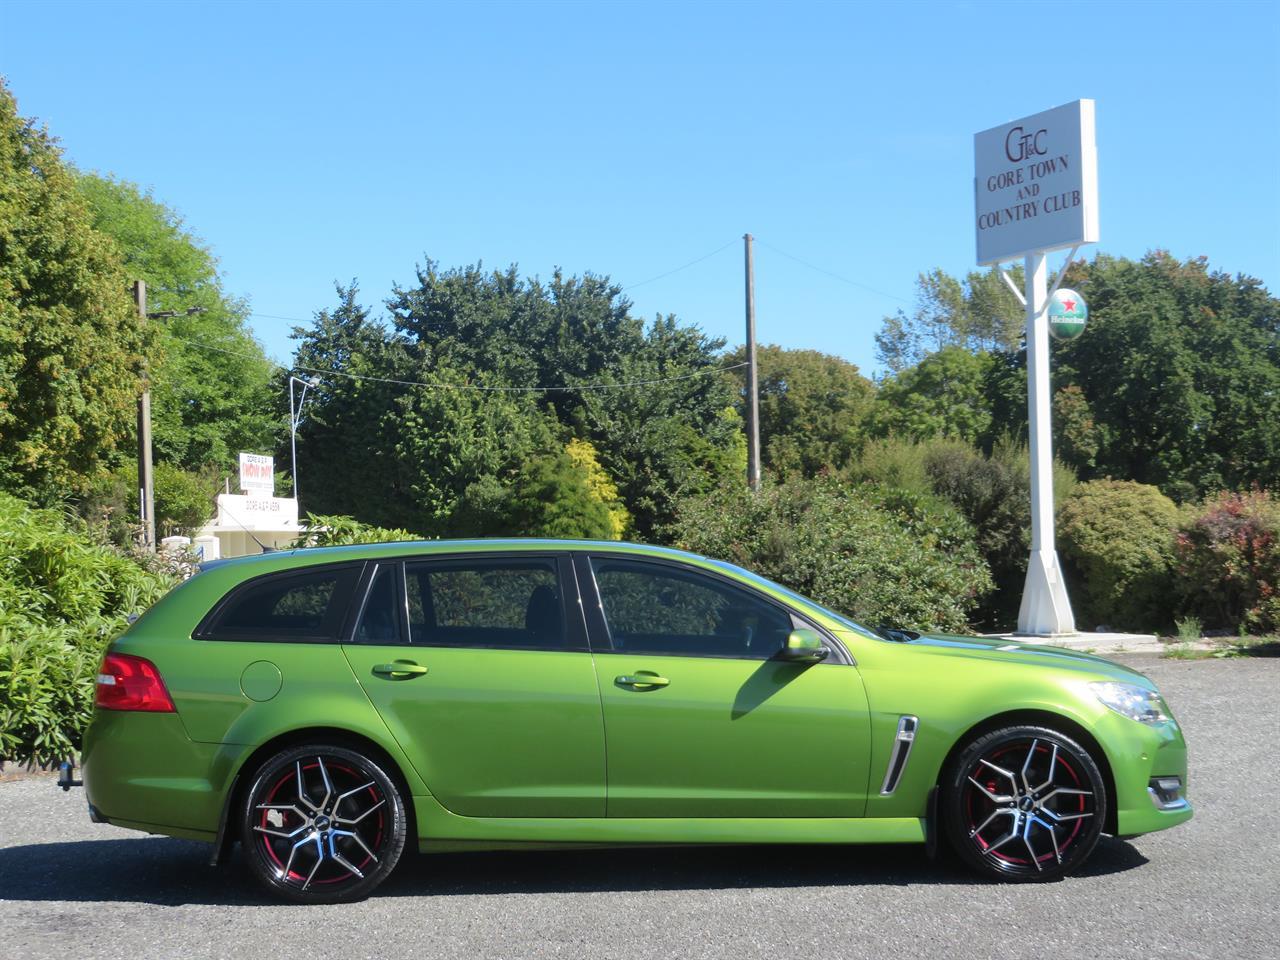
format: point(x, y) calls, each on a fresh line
point(1036, 184)
point(1067, 314)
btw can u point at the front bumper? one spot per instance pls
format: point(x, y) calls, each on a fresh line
point(1141, 755)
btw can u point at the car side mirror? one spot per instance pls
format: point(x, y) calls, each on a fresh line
point(803, 646)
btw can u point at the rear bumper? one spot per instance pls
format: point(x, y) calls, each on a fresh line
point(141, 771)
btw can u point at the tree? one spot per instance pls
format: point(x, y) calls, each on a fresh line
point(1178, 376)
point(944, 395)
point(210, 379)
point(71, 346)
point(645, 395)
point(812, 406)
point(979, 314)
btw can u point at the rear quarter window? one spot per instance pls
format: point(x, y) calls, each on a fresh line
point(301, 605)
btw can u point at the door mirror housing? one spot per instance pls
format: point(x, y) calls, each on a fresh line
point(804, 646)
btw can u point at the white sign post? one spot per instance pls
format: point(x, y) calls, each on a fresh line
point(1036, 190)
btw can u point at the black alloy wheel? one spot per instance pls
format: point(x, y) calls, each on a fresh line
point(1024, 803)
point(322, 824)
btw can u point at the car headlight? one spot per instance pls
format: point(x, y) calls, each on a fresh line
point(1130, 700)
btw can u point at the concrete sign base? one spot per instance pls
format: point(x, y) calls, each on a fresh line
point(1045, 610)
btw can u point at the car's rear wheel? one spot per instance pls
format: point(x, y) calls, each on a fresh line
point(1024, 803)
point(322, 824)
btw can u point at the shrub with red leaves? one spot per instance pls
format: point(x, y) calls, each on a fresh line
point(1228, 559)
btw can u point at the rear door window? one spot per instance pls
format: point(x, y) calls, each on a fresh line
point(308, 605)
point(506, 603)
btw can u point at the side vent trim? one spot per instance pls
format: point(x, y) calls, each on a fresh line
point(902, 742)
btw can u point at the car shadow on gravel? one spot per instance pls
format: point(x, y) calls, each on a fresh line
point(170, 872)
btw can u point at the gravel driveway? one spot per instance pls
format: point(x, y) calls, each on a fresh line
point(1210, 888)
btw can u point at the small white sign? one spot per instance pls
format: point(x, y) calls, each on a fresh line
point(257, 474)
point(257, 513)
point(1035, 183)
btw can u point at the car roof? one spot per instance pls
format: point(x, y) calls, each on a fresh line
point(308, 556)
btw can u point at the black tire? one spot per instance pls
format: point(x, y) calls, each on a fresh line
point(1024, 803)
point(322, 823)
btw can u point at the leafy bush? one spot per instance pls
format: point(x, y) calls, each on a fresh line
point(63, 597)
point(883, 556)
point(1116, 544)
point(334, 531)
point(991, 492)
point(1228, 561)
point(184, 500)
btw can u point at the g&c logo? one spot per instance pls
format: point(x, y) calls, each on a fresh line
point(1019, 145)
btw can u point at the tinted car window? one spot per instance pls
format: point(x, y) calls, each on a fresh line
point(379, 622)
point(485, 603)
point(294, 606)
point(652, 608)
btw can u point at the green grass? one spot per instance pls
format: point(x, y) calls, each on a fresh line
point(1244, 646)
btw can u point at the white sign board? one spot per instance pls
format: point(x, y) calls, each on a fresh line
point(257, 513)
point(257, 474)
point(1035, 183)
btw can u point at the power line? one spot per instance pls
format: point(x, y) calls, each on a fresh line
point(834, 276)
point(566, 388)
point(686, 266)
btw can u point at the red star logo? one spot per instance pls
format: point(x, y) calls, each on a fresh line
point(1068, 305)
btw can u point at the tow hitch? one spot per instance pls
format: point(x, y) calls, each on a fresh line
point(65, 769)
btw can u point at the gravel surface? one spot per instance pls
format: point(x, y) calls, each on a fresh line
point(1206, 889)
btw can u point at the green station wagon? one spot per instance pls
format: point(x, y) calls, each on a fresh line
point(324, 707)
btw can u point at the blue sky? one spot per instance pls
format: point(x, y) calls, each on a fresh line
point(308, 143)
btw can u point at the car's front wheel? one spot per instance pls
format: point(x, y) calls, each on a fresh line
point(322, 824)
point(1024, 803)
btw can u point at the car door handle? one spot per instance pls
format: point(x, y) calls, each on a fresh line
point(399, 670)
point(641, 680)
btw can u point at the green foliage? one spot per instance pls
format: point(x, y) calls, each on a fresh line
point(206, 404)
point(990, 492)
point(1178, 376)
point(1116, 543)
point(1228, 561)
point(71, 345)
point(62, 598)
point(1189, 629)
point(335, 531)
point(884, 557)
point(184, 499)
point(582, 453)
point(429, 457)
point(551, 497)
point(811, 408)
point(979, 315)
point(944, 395)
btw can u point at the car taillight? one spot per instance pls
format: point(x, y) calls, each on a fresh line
point(127, 682)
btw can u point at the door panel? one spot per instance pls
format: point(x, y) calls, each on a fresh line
point(730, 731)
point(734, 738)
point(505, 719)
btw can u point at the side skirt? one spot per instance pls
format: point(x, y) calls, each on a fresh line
point(435, 823)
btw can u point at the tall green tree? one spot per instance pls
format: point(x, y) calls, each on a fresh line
point(380, 446)
point(812, 407)
point(979, 314)
point(210, 379)
point(944, 395)
point(71, 346)
point(1177, 377)
point(646, 395)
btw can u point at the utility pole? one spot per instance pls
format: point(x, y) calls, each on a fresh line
point(146, 484)
point(753, 379)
